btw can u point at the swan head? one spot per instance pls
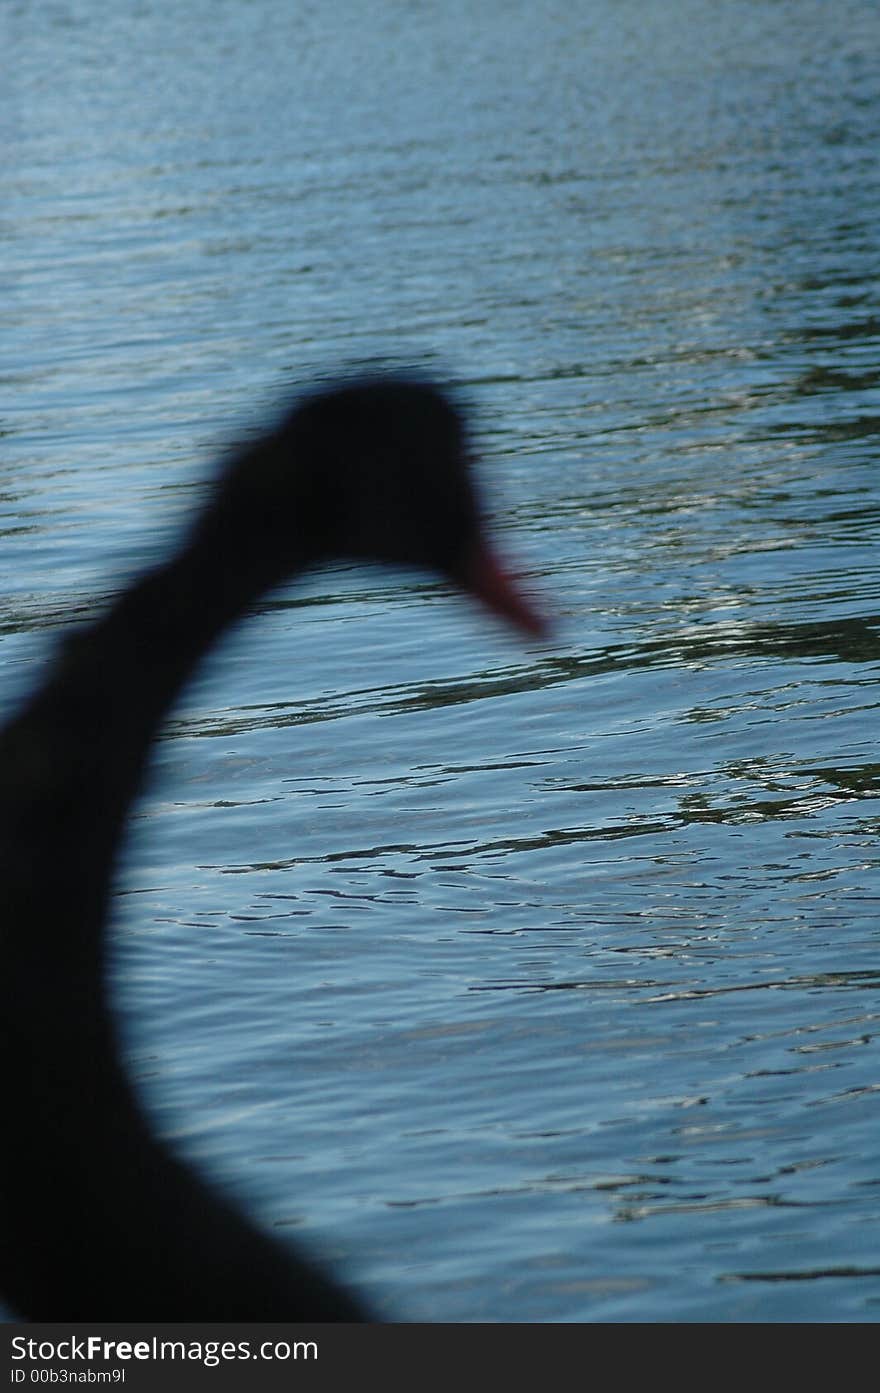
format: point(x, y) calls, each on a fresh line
point(377, 469)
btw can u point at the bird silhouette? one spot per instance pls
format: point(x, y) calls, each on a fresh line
point(100, 1219)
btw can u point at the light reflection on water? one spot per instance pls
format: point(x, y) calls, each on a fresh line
point(531, 984)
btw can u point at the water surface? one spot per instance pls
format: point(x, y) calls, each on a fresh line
point(527, 983)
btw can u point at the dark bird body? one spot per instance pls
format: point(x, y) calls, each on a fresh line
point(99, 1219)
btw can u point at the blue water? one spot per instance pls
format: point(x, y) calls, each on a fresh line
point(526, 983)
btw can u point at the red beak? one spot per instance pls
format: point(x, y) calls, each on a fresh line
point(486, 579)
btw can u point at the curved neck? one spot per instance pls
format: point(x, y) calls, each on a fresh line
point(74, 758)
